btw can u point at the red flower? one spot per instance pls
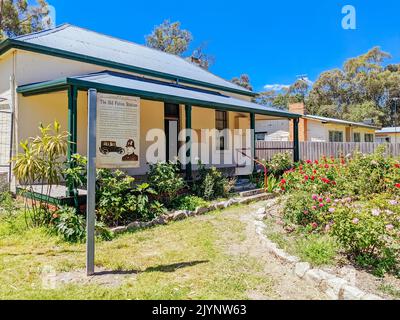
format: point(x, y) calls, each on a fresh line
point(397, 185)
point(321, 205)
point(327, 166)
point(314, 225)
point(315, 171)
point(316, 162)
point(283, 181)
point(306, 178)
point(312, 178)
point(397, 165)
point(309, 161)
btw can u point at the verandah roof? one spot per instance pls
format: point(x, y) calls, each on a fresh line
point(118, 83)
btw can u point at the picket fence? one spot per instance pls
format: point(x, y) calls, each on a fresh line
point(316, 150)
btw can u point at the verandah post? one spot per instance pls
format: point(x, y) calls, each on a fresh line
point(296, 145)
point(188, 119)
point(73, 131)
point(253, 137)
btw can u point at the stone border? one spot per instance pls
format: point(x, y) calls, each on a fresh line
point(184, 214)
point(335, 287)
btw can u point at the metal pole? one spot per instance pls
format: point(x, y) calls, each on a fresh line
point(188, 116)
point(253, 138)
point(296, 147)
point(91, 182)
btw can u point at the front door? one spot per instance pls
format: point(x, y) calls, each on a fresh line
point(171, 126)
point(171, 132)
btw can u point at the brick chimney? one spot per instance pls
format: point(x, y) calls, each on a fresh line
point(299, 108)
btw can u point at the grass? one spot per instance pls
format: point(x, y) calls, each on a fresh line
point(390, 290)
point(318, 250)
point(183, 260)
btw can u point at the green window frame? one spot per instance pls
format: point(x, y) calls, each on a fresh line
point(369, 137)
point(335, 136)
point(357, 137)
point(221, 123)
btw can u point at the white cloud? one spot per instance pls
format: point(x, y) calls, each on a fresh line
point(276, 87)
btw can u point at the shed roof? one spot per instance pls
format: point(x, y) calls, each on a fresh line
point(389, 130)
point(339, 121)
point(73, 42)
point(118, 83)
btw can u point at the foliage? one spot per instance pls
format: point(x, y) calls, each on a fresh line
point(76, 171)
point(279, 163)
point(7, 205)
point(211, 183)
point(316, 249)
point(69, 225)
point(190, 203)
point(119, 201)
point(41, 164)
point(243, 81)
point(170, 38)
point(165, 179)
point(20, 17)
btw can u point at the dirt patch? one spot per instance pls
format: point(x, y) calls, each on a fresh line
point(286, 285)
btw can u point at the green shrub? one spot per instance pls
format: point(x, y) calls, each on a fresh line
point(8, 205)
point(279, 163)
point(165, 179)
point(190, 203)
point(211, 183)
point(69, 225)
point(119, 201)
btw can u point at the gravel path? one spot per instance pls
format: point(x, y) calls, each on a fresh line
point(287, 286)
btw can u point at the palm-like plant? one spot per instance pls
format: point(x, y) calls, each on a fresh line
point(41, 163)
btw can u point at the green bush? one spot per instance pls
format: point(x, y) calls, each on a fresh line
point(69, 225)
point(190, 203)
point(211, 183)
point(119, 201)
point(165, 179)
point(279, 163)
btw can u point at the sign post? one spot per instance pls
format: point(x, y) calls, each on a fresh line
point(91, 182)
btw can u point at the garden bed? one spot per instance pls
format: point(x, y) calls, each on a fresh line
point(322, 252)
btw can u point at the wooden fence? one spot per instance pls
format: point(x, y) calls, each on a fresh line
point(315, 150)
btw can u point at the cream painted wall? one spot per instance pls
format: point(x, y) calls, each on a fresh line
point(41, 109)
point(6, 71)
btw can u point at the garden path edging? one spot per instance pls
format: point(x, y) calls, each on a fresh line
point(335, 287)
point(184, 214)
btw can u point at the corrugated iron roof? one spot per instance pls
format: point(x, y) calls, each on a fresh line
point(339, 121)
point(389, 130)
point(79, 41)
point(119, 83)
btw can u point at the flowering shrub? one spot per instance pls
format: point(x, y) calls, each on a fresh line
point(316, 176)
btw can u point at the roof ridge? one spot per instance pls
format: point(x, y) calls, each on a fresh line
point(42, 32)
point(67, 25)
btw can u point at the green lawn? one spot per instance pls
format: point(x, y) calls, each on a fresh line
point(190, 259)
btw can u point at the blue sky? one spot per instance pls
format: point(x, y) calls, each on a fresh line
point(271, 41)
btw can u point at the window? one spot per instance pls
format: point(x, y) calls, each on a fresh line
point(357, 137)
point(335, 136)
point(369, 137)
point(221, 123)
point(261, 136)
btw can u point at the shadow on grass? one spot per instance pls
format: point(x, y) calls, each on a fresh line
point(160, 268)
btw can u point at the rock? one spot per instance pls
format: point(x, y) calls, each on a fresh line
point(202, 210)
point(180, 215)
point(119, 230)
point(134, 225)
point(261, 212)
point(160, 221)
point(351, 293)
point(371, 297)
point(301, 268)
point(220, 205)
point(314, 275)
